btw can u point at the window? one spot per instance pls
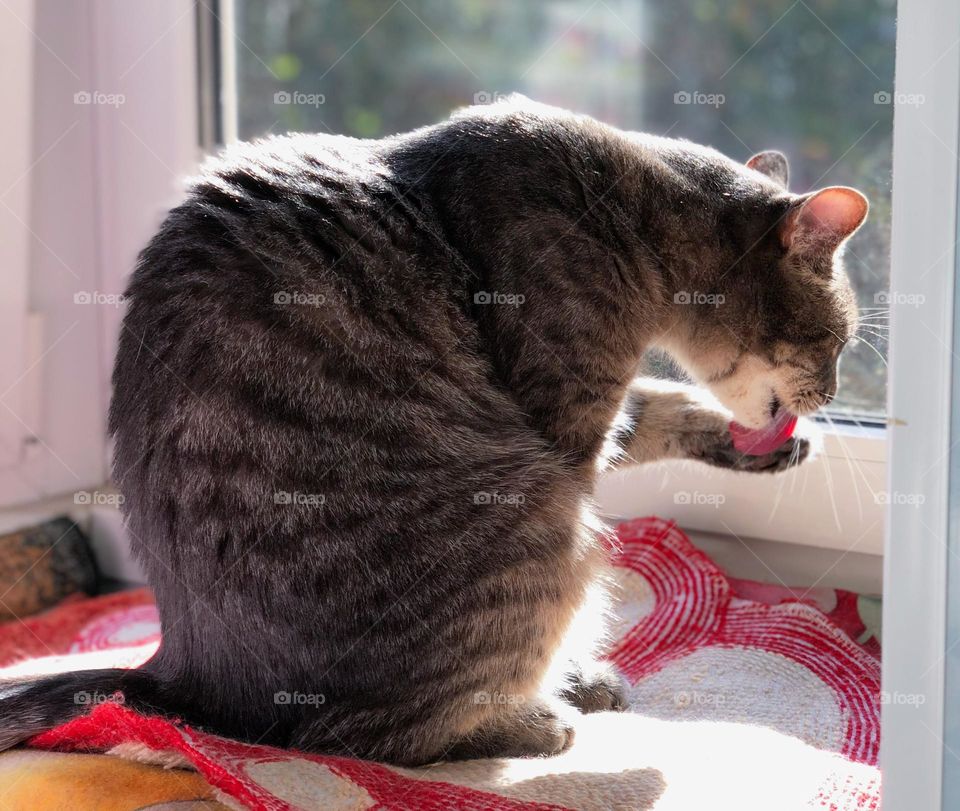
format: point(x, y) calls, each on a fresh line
point(813, 78)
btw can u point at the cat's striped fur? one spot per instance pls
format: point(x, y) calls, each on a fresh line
point(362, 393)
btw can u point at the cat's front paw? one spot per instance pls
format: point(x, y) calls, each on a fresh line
point(721, 453)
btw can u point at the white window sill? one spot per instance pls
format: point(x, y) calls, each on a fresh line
point(834, 501)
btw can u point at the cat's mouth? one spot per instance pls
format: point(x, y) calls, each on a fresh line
point(759, 441)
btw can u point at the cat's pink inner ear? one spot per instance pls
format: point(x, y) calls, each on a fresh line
point(825, 219)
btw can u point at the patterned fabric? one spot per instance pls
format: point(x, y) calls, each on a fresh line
point(710, 648)
point(116, 630)
point(41, 565)
point(743, 695)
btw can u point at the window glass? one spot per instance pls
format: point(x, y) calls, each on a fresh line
point(813, 78)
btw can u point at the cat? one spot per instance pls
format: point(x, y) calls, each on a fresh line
point(363, 392)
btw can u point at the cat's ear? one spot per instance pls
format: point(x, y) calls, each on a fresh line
point(823, 219)
point(772, 164)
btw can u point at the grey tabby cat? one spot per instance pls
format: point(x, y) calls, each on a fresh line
point(364, 390)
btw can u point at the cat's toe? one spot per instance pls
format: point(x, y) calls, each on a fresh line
point(601, 691)
point(794, 451)
point(558, 738)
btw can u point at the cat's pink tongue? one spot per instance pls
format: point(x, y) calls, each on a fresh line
point(758, 441)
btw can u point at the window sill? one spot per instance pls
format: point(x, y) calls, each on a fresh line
point(836, 500)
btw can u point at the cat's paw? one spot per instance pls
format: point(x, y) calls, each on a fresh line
point(537, 729)
point(545, 734)
point(601, 691)
point(721, 453)
point(790, 454)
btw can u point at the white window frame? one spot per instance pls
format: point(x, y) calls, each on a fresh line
point(919, 770)
point(54, 400)
point(16, 46)
point(133, 179)
point(150, 54)
point(97, 180)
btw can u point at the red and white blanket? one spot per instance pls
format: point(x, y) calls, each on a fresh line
point(743, 696)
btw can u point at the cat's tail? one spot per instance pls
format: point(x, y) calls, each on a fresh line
point(28, 708)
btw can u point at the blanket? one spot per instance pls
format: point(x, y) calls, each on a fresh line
point(742, 695)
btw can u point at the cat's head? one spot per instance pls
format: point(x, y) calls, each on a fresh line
point(768, 332)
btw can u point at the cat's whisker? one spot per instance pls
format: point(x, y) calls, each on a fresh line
point(806, 478)
point(796, 474)
point(876, 351)
point(776, 500)
point(833, 501)
point(851, 464)
point(854, 420)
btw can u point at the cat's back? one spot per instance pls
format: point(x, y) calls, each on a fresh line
point(299, 317)
point(279, 204)
point(309, 232)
